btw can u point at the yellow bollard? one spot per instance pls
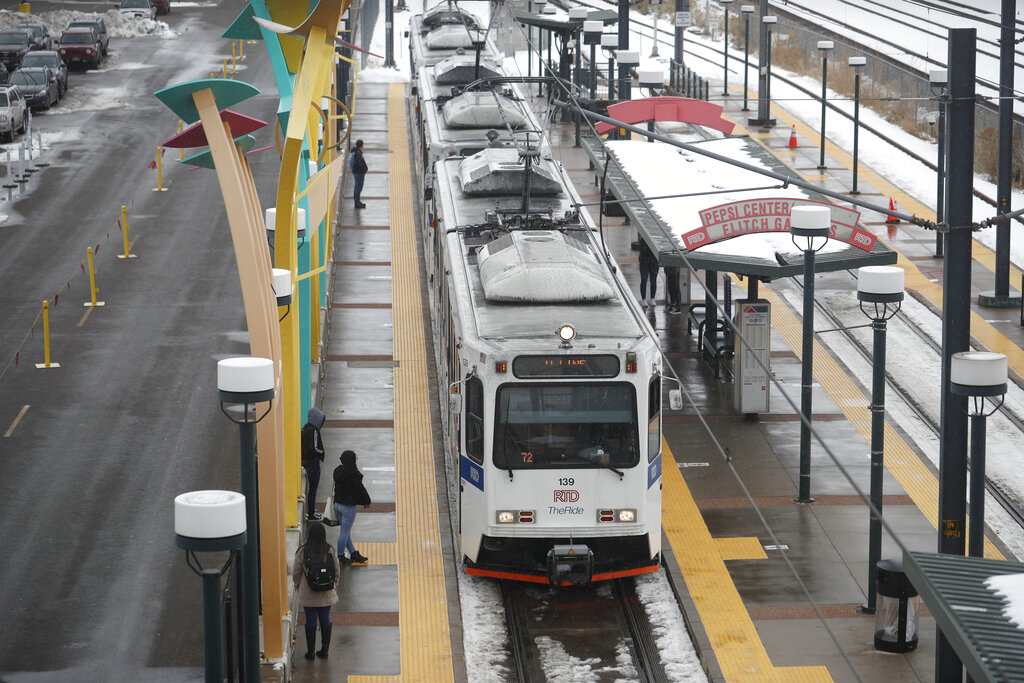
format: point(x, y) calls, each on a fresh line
point(181, 128)
point(159, 171)
point(233, 46)
point(224, 71)
point(92, 283)
point(241, 49)
point(46, 339)
point(124, 231)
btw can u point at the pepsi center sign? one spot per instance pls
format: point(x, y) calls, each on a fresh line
point(771, 214)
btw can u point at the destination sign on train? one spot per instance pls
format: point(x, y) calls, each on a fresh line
point(565, 366)
point(770, 214)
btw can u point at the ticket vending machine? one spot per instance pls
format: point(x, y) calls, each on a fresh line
point(753, 323)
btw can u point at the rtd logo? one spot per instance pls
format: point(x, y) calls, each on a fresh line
point(863, 239)
point(566, 496)
point(695, 239)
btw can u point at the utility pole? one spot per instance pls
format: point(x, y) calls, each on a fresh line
point(764, 118)
point(389, 34)
point(682, 20)
point(956, 316)
point(1000, 297)
point(624, 77)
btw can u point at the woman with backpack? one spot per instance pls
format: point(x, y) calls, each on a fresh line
point(315, 572)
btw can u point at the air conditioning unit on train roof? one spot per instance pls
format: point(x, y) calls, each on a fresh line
point(500, 171)
point(462, 69)
point(448, 13)
point(541, 266)
point(449, 37)
point(483, 110)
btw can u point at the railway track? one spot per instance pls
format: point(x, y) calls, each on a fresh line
point(601, 627)
point(1011, 506)
point(698, 51)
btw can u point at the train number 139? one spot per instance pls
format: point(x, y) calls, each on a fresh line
point(566, 481)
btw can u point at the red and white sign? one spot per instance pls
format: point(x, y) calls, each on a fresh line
point(770, 214)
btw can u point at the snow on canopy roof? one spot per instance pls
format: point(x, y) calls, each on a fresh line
point(500, 171)
point(541, 266)
point(658, 169)
point(483, 110)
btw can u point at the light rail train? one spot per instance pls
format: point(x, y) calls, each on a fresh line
point(552, 372)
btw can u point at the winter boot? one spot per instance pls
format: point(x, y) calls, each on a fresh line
point(325, 641)
point(310, 640)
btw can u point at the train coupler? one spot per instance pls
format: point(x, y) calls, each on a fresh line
point(570, 565)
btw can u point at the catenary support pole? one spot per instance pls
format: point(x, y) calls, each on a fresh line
point(956, 308)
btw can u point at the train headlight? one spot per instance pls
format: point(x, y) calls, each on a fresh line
point(566, 332)
point(506, 517)
point(627, 515)
point(606, 515)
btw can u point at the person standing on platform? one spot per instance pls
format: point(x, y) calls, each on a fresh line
point(648, 273)
point(357, 164)
point(312, 456)
point(315, 573)
point(348, 493)
point(672, 286)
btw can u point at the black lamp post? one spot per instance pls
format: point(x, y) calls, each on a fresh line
point(824, 46)
point(769, 23)
point(809, 228)
point(609, 41)
point(937, 81)
point(856, 63)
point(592, 37)
point(577, 15)
point(880, 292)
point(210, 521)
point(656, 5)
point(540, 5)
point(243, 382)
point(978, 375)
point(654, 80)
point(725, 48)
point(628, 59)
point(747, 10)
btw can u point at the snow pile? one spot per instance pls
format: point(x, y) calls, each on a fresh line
point(1011, 588)
point(118, 25)
point(484, 633)
point(677, 653)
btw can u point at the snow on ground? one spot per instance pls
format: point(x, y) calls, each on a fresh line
point(118, 25)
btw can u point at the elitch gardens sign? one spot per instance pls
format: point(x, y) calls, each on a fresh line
point(770, 214)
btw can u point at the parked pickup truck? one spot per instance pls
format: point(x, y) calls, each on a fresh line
point(80, 46)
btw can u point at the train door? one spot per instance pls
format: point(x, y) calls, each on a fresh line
point(472, 508)
point(652, 513)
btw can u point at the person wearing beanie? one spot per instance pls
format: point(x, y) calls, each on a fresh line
point(312, 456)
point(348, 493)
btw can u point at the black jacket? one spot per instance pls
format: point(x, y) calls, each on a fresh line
point(348, 484)
point(358, 163)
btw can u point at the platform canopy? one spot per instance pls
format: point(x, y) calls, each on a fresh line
point(970, 612)
point(559, 23)
point(723, 218)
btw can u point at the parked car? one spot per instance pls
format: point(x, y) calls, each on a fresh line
point(162, 6)
point(80, 46)
point(38, 85)
point(13, 111)
point(39, 36)
point(51, 59)
point(137, 8)
point(99, 27)
point(14, 45)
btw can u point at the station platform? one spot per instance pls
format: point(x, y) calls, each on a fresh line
point(399, 619)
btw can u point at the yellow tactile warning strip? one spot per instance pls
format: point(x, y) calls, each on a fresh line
point(374, 679)
point(422, 603)
point(738, 648)
point(741, 548)
point(916, 479)
point(379, 553)
point(801, 674)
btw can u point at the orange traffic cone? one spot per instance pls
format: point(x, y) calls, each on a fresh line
point(892, 207)
point(792, 138)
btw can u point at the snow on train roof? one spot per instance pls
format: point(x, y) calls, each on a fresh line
point(658, 169)
point(542, 266)
point(499, 171)
point(483, 110)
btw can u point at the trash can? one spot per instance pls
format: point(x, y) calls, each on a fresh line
point(897, 608)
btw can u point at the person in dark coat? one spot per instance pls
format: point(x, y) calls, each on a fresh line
point(672, 285)
point(648, 272)
point(359, 168)
point(316, 604)
point(348, 493)
point(312, 456)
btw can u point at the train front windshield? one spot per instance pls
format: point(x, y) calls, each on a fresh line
point(566, 425)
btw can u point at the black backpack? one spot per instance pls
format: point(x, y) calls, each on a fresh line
point(320, 572)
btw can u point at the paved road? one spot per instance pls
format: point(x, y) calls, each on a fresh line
point(91, 584)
